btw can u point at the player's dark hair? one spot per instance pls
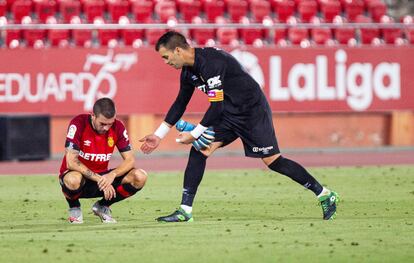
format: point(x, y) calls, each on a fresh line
point(171, 40)
point(104, 106)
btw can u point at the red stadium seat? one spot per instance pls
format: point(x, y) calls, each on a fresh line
point(201, 35)
point(107, 35)
point(330, 9)
point(409, 32)
point(93, 9)
point(131, 35)
point(227, 36)
point(152, 35)
point(13, 37)
point(285, 9)
point(279, 34)
point(3, 7)
point(82, 37)
point(165, 10)
point(297, 34)
point(44, 9)
point(390, 35)
point(20, 9)
point(367, 34)
point(69, 9)
point(142, 11)
point(249, 35)
point(307, 10)
point(321, 36)
point(353, 8)
point(189, 9)
point(34, 37)
point(213, 9)
point(273, 5)
point(260, 9)
point(237, 9)
point(117, 8)
point(58, 37)
point(344, 35)
point(377, 9)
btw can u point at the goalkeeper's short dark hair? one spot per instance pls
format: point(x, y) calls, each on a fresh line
point(171, 40)
point(104, 106)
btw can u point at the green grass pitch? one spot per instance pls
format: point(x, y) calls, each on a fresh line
point(240, 216)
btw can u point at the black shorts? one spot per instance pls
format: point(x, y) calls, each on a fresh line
point(89, 188)
point(254, 129)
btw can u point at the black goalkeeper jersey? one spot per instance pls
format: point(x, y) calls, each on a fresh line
point(231, 91)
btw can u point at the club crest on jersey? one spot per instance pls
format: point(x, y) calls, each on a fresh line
point(87, 143)
point(110, 141)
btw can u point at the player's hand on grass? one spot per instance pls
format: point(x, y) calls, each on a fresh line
point(109, 192)
point(150, 143)
point(106, 180)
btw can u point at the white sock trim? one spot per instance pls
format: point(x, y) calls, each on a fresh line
point(325, 191)
point(187, 209)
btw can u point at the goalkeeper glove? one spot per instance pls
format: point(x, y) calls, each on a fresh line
point(203, 141)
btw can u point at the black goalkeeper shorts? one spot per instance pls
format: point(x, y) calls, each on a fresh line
point(255, 131)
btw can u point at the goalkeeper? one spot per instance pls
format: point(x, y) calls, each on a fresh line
point(238, 109)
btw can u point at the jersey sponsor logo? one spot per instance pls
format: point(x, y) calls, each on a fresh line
point(110, 141)
point(215, 95)
point(72, 131)
point(87, 143)
point(264, 150)
point(214, 82)
point(95, 157)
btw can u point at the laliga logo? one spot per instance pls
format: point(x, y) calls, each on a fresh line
point(356, 83)
point(251, 63)
point(18, 87)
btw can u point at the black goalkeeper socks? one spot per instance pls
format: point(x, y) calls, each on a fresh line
point(193, 175)
point(297, 173)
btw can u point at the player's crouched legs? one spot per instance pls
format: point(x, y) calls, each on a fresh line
point(133, 182)
point(72, 188)
point(137, 178)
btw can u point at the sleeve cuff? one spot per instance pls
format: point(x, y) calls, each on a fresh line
point(162, 130)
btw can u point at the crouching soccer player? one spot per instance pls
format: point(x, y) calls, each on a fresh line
point(238, 109)
point(84, 172)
